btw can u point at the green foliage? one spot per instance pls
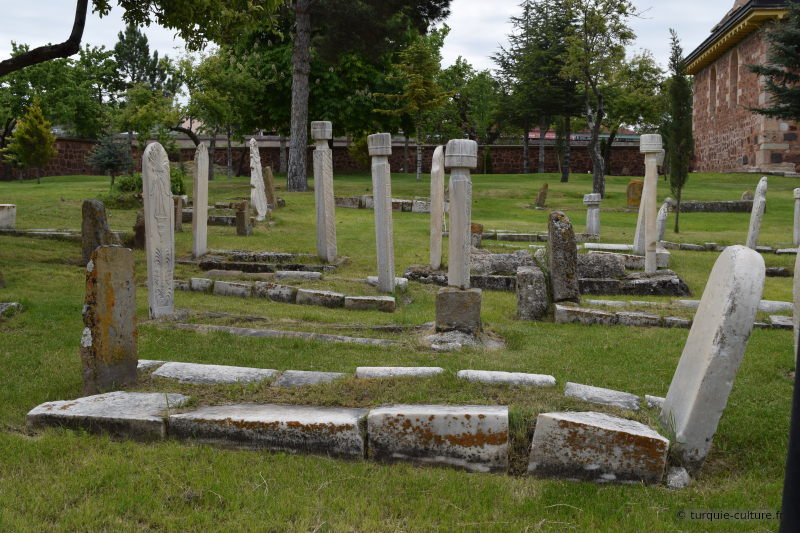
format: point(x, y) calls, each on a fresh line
point(110, 156)
point(177, 180)
point(32, 142)
point(132, 183)
point(137, 66)
point(359, 150)
point(147, 112)
point(781, 73)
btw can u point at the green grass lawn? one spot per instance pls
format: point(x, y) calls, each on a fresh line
point(68, 481)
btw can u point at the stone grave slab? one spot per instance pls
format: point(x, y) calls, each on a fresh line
point(231, 288)
point(302, 378)
point(321, 298)
point(602, 396)
point(507, 378)
point(297, 275)
point(211, 374)
point(275, 292)
point(145, 364)
point(386, 304)
point(399, 283)
point(397, 371)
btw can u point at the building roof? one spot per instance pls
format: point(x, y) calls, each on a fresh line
point(745, 18)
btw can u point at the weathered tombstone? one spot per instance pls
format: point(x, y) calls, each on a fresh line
point(562, 255)
point(269, 187)
point(109, 341)
point(178, 206)
point(661, 220)
point(321, 132)
point(541, 198)
point(94, 228)
point(200, 202)
point(796, 233)
point(651, 146)
point(759, 204)
point(532, 294)
point(258, 198)
point(592, 203)
point(139, 234)
point(380, 148)
point(437, 206)
point(713, 352)
point(634, 193)
point(8, 216)
point(747, 196)
point(159, 230)
point(243, 226)
point(457, 305)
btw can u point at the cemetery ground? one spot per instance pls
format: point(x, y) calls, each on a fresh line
point(67, 480)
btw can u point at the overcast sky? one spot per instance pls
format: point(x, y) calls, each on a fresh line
point(478, 27)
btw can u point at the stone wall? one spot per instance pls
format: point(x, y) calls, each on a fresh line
point(729, 137)
point(71, 159)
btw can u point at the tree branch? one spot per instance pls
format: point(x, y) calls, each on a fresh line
point(192, 135)
point(50, 51)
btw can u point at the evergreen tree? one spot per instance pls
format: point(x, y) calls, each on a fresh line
point(110, 157)
point(137, 66)
point(32, 142)
point(679, 140)
point(781, 73)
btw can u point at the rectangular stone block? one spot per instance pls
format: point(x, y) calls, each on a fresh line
point(135, 415)
point(349, 202)
point(421, 206)
point(303, 378)
point(291, 428)
point(298, 275)
point(602, 396)
point(596, 447)
point(275, 292)
point(231, 288)
point(322, 298)
point(370, 303)
point(645, 320)
point(210, 374)
point(365, 372)
point(458, 310)
point(473, 437)
point(8, 216)
point(677, 322)
point(399, 283)
point(532, 295)
point(507, 378)
point(581, 315)
point(201, 284)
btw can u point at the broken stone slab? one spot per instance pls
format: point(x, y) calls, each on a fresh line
point(473, 437)
point(764, 306)
point(608, 303)
point(778, 272)
point(596, 447)
point(231, 288)
point(661, 283)
point(209, 374)
point(507, 378)
point(781, 322)
point(214, 274)
point(399, 283)
point(483, 262)
point(275, 292)
point(600, 286)
point(562, 258)
point(533, 298)
point(255, 267)
point(370, 303)
point(646, 320)
point(677, 322)
point(692, 247)
point(201, 284)
point(783, 251)
point(181, 285)
point(365, 372)
point(678, 478)
point(493, 283)
point(136, 415)
point(321, 298)
point(458, 310)
point(278, 334)
point(248, 256)
point(601, 265)
point(284, 275)
point(9, 309)
point(145, 364)
point(581, 315)
point(292, 428)
point(348, 202)
point(654, 401)
point(302, 378)
point(607, 247)
point(602, 396)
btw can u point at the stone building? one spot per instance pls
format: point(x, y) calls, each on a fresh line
point(729, 137)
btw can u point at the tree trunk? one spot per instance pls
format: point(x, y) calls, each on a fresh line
point(542, 133)
point(282, 156)
point(405, 153)
point(229, 152)
point(567, 149)
point(419, 157)
point(678, 193)
point(301, 67)
point(607, 150)
point(212, 147)
point(242, 159)
point(526, 164)
point(595, 119)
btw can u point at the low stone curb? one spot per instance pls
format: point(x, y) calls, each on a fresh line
point(279, 334)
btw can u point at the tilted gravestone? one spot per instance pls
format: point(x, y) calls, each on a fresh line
point(541, 198)
point(269, 187)
point(562, 254)
point(109, 341)
point(759, 205)
point(661, 220)
point(437, 207)
point(243, 226)
point(159, 230)
point(634, 193)
point(713, 352)
point(200, 202)
point(380, 148)
point(94, 228)
point(258, 198)
point(321, 132)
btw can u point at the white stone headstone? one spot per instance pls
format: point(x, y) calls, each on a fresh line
point(8, 216)
point(796, 233)
point(651, 146)
point(321, 132)
point(461, 155)
point(258, 196)
point(380, 148)
point(759, 204)
point(200, 202)
point(437, 206)
point(592, 203)
point(713, 352)
point(661, 221)
point(159, 216)
point(796, 298)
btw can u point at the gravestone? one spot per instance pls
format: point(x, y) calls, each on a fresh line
point(562, 256)
point(159, 230)
point(748, 196)
point(532, 294)
point(109, 341)
point(437, 207)
point(634, 193)
point(139, 234)
point(458, 306)
point(200, 202)
point(759, 204)
point(269, 187)
point(796, 304)
point(8, 216)
point(661, 220)
point(177, 202)
point(380, 148)
point(651, 146)
point(243, 226)
point(541, 198)
point(321, 132)
point(94, 228)
point(592, 203)
point(713, 352)
point(796, 233)
point(258, 198)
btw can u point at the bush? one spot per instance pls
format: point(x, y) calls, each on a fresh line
point(360, 151)
point(131, 183)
